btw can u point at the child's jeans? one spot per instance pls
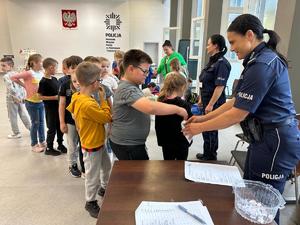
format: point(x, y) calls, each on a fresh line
point(37, 114)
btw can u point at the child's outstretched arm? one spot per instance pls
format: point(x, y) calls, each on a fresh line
point(157, 108)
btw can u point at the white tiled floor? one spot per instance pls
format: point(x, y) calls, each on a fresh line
point(37, 190)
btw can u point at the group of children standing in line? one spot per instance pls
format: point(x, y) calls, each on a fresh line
point(80, 105)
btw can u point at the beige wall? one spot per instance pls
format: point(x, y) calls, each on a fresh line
point(293, 56)
point(147, 19)
point(5, 43)
point(37, 25)
point(284, 22)
point(287, 26)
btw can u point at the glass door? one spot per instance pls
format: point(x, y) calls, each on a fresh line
point(197, 42)
point(265, 10)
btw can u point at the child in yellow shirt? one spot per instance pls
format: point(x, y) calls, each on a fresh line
point(90, 119)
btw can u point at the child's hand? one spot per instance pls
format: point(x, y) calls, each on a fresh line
point(109, 129)
point(16, 100)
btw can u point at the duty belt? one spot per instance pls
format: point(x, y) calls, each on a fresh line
point(277, 125)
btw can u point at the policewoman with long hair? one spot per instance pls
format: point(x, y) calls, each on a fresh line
point(213, 79)
point(263, 104)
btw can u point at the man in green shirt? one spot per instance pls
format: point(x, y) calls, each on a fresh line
point(164, 66)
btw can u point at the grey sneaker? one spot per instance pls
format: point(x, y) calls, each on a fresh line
point(14, 136)
point(74, 171)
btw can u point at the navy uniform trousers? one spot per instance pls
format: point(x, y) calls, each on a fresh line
point(210, 138)
point(272, 160)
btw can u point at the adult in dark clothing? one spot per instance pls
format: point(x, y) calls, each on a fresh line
point(213, 79)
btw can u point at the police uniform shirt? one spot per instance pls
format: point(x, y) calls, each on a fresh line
point(214, 75)
point(264, 87)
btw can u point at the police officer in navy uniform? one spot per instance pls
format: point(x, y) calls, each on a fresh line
point(263, 104)
point(213, 79)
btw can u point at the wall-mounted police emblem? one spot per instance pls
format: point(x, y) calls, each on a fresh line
point(112, 22)
point(113, 32)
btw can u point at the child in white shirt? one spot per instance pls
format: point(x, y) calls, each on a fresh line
point(106, 76)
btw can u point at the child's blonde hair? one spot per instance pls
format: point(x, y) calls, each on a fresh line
point(91, 59)
point(87, 73)
point(118, 55)
point(33, 58)
point(103, 59)
point(173, 82)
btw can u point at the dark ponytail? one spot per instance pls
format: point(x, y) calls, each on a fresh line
point(246, 22)
point(218, 40)
point(167, 43)
point(272, 43)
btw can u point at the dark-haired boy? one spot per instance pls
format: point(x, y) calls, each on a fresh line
point(131, 109)
point(67, 123)
point(48, 91)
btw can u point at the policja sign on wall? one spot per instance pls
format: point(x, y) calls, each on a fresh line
point(113, 32)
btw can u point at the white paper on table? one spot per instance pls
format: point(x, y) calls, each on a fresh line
point(212, 173)
point(168, 213)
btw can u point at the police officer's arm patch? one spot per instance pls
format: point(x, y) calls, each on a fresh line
point(257, 80)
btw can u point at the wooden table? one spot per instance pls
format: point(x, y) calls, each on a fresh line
point(132, 182)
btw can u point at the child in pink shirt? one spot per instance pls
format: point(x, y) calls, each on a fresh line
point(30, 80)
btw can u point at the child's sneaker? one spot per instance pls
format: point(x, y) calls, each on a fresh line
point(51, 151)
point(37, 148)
point(14, 136)
point(93, 208)
point(62, 148)
point(74, 171)
point(101, 192)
